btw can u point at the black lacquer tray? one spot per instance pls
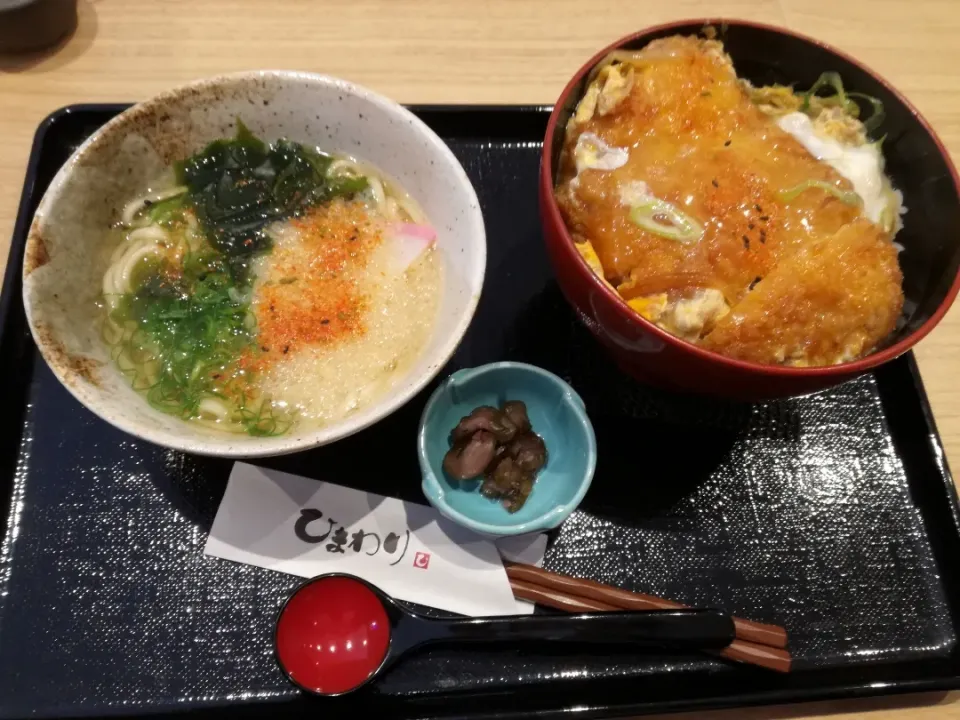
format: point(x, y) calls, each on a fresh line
point(833, 514)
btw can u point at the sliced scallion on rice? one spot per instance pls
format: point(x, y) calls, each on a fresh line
point(666, 220)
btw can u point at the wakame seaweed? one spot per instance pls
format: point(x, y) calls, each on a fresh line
point(237, 187)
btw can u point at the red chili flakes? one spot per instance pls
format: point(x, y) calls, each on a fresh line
point(325, 304)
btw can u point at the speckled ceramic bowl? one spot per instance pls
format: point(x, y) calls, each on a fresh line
point(66, 253)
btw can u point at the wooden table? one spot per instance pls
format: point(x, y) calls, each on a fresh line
point(479, 51)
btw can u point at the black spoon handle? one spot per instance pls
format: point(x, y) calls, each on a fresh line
point(669, 629)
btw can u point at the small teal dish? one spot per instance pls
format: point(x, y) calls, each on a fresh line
point(557, 414)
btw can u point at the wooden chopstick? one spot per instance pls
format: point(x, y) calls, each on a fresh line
point(759, 633)
point(771, 658)
point(750, 653)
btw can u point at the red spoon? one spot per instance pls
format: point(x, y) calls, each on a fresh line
point(337, 633)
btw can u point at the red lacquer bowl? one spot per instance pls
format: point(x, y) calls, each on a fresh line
point(917, 162)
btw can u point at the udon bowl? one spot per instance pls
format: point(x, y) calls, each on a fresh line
point(66, 258)
point(916, 161)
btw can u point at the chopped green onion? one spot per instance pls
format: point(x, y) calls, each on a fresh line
point(847, 196)
point(831, 80)
point(168, 209)
point(664, 219)
point(877, 113)
point(845, 100)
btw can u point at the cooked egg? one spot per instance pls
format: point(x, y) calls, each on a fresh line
point(588, 105)
point(592, 153)
point(650, 307)
point(616, 88)
point(590, 255)
point(689, 316)
point(862, 165)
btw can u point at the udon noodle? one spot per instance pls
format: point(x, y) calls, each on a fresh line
point(256, 287)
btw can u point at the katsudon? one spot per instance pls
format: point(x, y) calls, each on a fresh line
point(756, 222)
